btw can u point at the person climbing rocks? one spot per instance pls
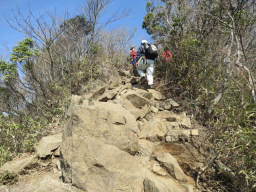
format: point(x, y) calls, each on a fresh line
point(167, 55)
point(133, 55)
point(146, 55)
point(166, 59)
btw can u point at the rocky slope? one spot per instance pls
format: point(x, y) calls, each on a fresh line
point(118, 138)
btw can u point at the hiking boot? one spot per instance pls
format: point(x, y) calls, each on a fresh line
point(150, 87)
point(133, 81)
point(143, 80)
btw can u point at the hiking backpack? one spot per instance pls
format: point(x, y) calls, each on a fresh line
point(151, 51)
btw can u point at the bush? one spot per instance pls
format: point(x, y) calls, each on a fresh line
point(8, 178)
point(17, 137)
point(234, 137)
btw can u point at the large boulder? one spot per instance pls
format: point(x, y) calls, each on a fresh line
point(145, 148)
point(182, 119)
point(47, 145)
point(101, 150)
point(156, 94)
point(136, 102)
point(153, 130)
point(153, 185)
point(172, 166)
point(113, 140)
point(106, 121)
point(18, 165)
point(95, 166)
point(42, 183)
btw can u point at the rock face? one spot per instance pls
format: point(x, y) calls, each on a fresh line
point(172, 166)
point(47, 145)
point(44, 183)
point(108, 122)
point(18, 165)
point(110, 143)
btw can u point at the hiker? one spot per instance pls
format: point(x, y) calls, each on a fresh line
point(133, 55)
point(146, 55)
point(166, 58)
point(167, 55)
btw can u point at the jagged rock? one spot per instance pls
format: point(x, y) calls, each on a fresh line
point(188, 188)
point(172, 125)
point(137, 105)
point(114, 82)
point(4, 188)
point(185, 132)
point(124, 73)
point(194, 132)
point(111, 94)
point(98, 93)
point(168, 104)
point(171, 138)
point(142, 93)
point(156, 94)
point(44, 183)
point(56, 163)
point(181, 118)
point(110, 141)
point(172, 166)
point(153, 109)
point(95, 166)
point(47, 145)
point(57, 152)
point(172, 102)
point(146, 95)
point(123, 92)
point(154, 186)
point(108, 96)
point(137, 101)
point(156, 168)
point(145, 147)
point(106, 121)
point(151, 186)
point(100, 167)
point(153, 130)
point(184, 120)
point(176, 134)
point(18, 165)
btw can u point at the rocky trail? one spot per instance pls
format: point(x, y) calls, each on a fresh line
point(120, 138)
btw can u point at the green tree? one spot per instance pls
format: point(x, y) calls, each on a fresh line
point(76, 25)
point(23, 52)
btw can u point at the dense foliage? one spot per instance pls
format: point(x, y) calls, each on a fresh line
point(213, 67)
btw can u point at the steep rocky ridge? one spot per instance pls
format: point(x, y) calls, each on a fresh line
point(118, 138)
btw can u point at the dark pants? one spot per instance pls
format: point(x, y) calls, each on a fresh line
point(134, 62)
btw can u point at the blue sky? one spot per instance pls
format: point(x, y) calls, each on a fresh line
point(9, 37)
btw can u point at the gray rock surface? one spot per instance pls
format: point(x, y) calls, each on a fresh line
point(109, 144)
point(172, 166)
point(44, 183)
point(47, 145)
point(18, 165)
